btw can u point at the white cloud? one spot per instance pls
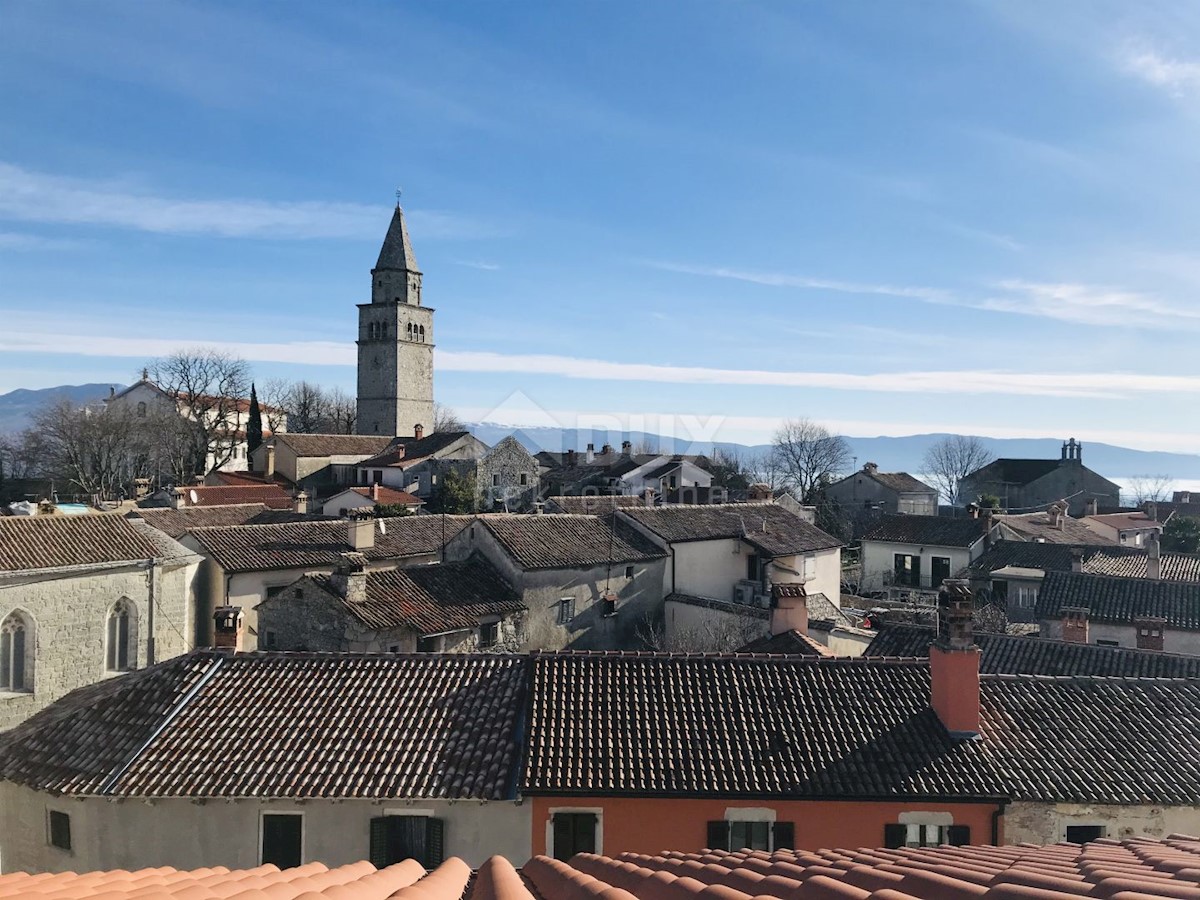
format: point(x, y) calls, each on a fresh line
point(477, 264)
point(1178, 77)
point(11, 240)
point(1106, 385)
point(37, 197)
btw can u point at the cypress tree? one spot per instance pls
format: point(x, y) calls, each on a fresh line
point(253, 423)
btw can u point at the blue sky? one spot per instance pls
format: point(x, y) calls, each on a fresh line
point(689, 217)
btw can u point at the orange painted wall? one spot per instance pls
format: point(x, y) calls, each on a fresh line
point(644, 825)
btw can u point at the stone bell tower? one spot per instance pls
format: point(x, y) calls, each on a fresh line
point(395, 343)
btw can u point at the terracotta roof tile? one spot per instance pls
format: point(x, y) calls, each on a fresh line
point(296, 545)
point(319, 445)
point(432, 599)
point(938, 531)
point(388, 496)
point(592, 504)
point(1010, 654)
point(773, 530)
point(1120, 600)
point(271, 495)
point(177, 522)
point(788, 643)
point(1042, 526)
point(566, 541)
point(48, 542)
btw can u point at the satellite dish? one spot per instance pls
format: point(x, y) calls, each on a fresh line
point(193, 496)
point(382, 527)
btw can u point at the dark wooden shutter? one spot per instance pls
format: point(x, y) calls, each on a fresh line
point(718, 835)
point(564, 837)
point(958, 835)
point(585, 832)
point(895, 836)
point(381, 851)
point(784, 835)
point(435, 842)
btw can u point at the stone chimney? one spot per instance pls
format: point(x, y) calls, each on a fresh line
point(572, 458)
point(627, 447)
point(300, 502)
point(870, 468)
point(590, 454)
point(1150, 508)
point(1075, 624)
point(418, 431)
point(269, 463)
point(606, 449)
point(789, 608)
point(178, 499)
point(1076, 560)
point(227, 628)
point(360, 531)
point(1153, 557)
point(648, 497)
point(539, 508)
point(1092, 507)
point(349, 579)
point(954, 661)
point(1149, 631)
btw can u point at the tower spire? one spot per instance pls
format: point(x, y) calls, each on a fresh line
point(397, 252)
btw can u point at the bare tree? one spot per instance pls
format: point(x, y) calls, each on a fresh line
point(306, 406)
point(808, 455)
point(21, 455)
point(86, 447)
point(210, 388)
point(717, 634)
point(272, 400)
point(765, 469)
point(446, 419)
point(951, 460)
point(1146, 488)
point(341, 412)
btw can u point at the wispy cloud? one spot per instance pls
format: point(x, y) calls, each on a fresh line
point(1108, 385)
point(1078, 303)
point(11, 240)
point(30, 196)
point(477, 264)
point(1177, 76)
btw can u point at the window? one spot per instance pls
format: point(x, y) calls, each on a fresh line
point(275, 590)
point(915, 834)
point(1027, 595)
point(1082, 834)
point(118, 657)
point(397, 838)
point(429, 644)
point(629, 571)
point(60, 830)
point(495, 481)
point(752, 567)
point(939, 571)
point(524, 478)
point(14, 646)
point(566, 610)
point(907, 570)
point(489, 634)
point(410, 331)
point(751, 834)
point(422, 334)
point(574, 832)
point(608, 604)
point(282, 838)
point(270, 642)
point(393, 648)
point(141, 410)
point(383, 330)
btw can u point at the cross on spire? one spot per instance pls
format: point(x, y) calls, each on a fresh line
point(398, 193)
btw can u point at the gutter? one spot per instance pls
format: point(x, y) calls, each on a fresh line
point(997, 815)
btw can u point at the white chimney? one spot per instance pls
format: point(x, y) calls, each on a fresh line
point(300, 502)
point(269, 464)
point(360, 532)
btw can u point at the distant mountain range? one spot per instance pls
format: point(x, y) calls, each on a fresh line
point(893, 454)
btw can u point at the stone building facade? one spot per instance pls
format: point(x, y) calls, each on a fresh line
point(395, 343)
point(507, 478)
point(73, 625)
point(1023, 485)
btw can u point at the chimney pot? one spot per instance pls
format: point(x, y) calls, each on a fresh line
point(349, 579)
point(375, 491)
point(269, 464)
point(789, 608)
point(418, 431)
point(1076, 560)
point(627, 447)
point(870, 468)
point(360, 531)
point(1075, 624)
point(227, 628)
point(571, 458)
point(648, 497)
point(1149, 630)
point(300, 502)
point(606, 449)
point(590, 454)
point(954, 661)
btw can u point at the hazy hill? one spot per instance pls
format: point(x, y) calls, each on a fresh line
point(17, 406)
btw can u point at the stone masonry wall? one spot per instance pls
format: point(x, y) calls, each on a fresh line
point(69, 616)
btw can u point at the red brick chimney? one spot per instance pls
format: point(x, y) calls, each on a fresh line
point(418, 431)
point(789, 608)
point(227, 628)
point(954, 661)
point(1149, 631)
point(1075, 624)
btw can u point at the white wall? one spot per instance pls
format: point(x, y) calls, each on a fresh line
point(1175, 640)
point(712, 568)
point(135, 834)
point(878, 560)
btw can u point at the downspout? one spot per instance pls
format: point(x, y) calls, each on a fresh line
point(151, 599)
point(997, 814)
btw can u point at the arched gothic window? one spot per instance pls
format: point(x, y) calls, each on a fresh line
point(118, 651)
point(383, 331)
point(422, 337)
point(410, 331)
point(16, 641)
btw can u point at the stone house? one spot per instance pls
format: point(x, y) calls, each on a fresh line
point(416, 464)
point(1126, 529)
point(588, 582)
point(1149, 614)
point(723, 561)
point(247, 564)
point(905, 554)
point(1026, 484)
point(664, 475)
point(507, 478)
point(317, 463)
point(369, 498)
point(868, 493)
point(452, 607)
point(290, 773)
point(83, 598)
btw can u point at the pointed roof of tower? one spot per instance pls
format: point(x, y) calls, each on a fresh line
point(397, 251)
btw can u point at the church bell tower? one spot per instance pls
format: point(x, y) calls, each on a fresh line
point(395, 343)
